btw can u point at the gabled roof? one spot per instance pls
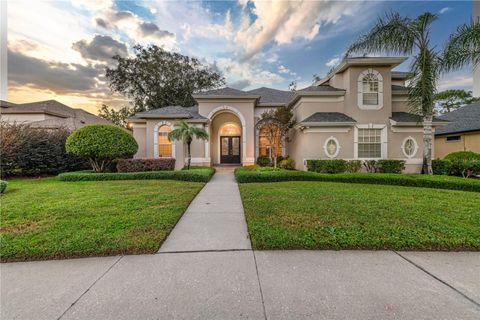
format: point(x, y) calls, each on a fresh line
point(320, 88)
point(272, 97)
point(52, 107)
point(171, 112)
point(464, 119)
point(225, 93)
point(400, 75)
point(319, 118)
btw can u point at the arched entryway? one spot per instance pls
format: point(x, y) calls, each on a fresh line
point(227, 136)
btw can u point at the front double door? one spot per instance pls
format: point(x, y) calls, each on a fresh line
point(229, 149)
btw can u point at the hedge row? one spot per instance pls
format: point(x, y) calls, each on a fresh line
point(411, 180)
point(142, 165)
point(194, 175)
point(341, 166)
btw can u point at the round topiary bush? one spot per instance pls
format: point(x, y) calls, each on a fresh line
point(460, 160)
point(101, 144)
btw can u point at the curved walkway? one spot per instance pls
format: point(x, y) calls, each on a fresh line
point(214, 221)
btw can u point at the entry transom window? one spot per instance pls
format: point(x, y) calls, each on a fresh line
point(331, 147)
point(370, 90)
point(369, 143)
point(230, 129)
point(164, 144)
point(409, 147)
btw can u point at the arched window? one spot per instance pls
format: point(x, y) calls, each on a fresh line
point(409, 147)
point(331, 147)
point(164, 144)
point(230, 129)
point(370, 90)
point(269, 142)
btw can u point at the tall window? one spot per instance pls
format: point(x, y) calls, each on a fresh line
point(369, 143)
point(164, 144)
point(265, 139)
point(370, 90)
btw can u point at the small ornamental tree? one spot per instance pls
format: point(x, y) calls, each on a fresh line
point(187, 133)
point(101, 144)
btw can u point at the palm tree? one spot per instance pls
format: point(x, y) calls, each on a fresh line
point(463, 47)
point(187, 133)
point(395, 34)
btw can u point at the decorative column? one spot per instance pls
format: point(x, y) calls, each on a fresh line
point(207, 144)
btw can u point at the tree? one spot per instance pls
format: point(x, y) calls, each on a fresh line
point(187, 133)
point(463, 47)
point(101, 144)
point(402, 35)
point(118, 117)
point(276, 124)
point(450, 100)
point(156, 78)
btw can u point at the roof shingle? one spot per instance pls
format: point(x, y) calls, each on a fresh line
point(328, 117)
point(463, 119)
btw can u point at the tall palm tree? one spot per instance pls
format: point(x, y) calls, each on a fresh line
point(395, 34)
point(187, 133)
point(463, 47)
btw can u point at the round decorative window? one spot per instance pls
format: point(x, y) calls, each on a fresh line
point(331, 147)
point(409, 147)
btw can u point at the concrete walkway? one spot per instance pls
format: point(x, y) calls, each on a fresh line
point(214, 220)
point(206, 270)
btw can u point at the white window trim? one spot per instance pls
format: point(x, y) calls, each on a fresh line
point(155, 138)
point(383, 140)
point(414, 150)
point(360, 90)
point(326, 150)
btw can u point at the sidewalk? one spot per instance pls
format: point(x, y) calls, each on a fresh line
point(206, 270)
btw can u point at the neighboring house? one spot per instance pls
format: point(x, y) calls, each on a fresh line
point(359, 111)
point(48, 114)
point(462, 133)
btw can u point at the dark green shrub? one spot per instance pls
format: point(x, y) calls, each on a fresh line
point(458, 158)
point(411, 180)
point(371, 166)
point(264, 161)
point(27, 151)
point(353, 166)
point(101, 144)
point(142, 165)
point(441, 166)
point(281, 158)
point(327, 166)
point(288, 164)
point(470, 168)
point(3, 186)
point(391, 166)
point(194, 175)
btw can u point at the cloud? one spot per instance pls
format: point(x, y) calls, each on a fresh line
point(444, 10)
point(240, 84)
point(283, 69)
point(100, 48)
point(333, 62)
point(284, 21)
point(57, 77)
point(236, 70)
point(148, 29)
point(456, 81)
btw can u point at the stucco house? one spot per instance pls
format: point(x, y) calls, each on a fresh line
point(359, 111)
point(49, 114)
point(462, 133)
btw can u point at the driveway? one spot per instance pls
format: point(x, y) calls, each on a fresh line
point(196, 275)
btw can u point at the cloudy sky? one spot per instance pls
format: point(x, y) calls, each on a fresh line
point(59, 49)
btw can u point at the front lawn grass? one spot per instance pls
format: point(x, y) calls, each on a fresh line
point(47, 218)
point(328, 215)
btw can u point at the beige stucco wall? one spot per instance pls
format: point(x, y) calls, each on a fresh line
point(468, 142)
point(139, 132)
point(307, 106)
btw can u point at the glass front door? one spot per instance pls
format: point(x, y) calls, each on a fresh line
point(229, 149)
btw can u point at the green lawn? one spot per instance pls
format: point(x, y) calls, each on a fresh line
point(328, 215)
point(47, 218)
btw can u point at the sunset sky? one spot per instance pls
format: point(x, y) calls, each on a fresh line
point(59, 49)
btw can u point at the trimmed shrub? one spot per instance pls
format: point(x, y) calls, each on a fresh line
point(264, 161)
point(194, 175)
point(391, 166)
point(371, 166)
point(327, 166)
point(3, 186)
point(353, 166)
point(470, 168)
point(458, 159)
point(27, 151)
point(288, 164)
point(441, 166)
point(101, 144)
point(142, 165)
point(411, 180)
